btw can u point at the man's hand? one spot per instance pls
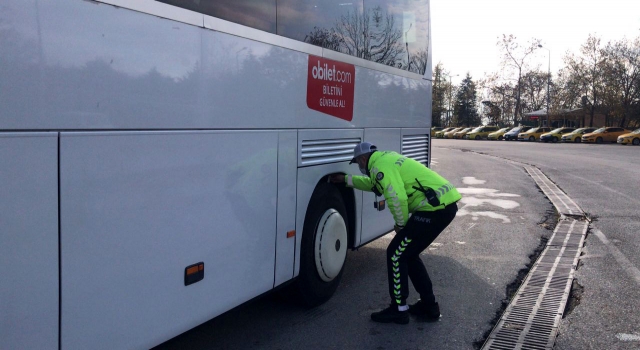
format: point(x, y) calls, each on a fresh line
point(397, 228)
point(336, 178)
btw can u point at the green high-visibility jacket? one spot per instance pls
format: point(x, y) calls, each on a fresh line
point(395, 176)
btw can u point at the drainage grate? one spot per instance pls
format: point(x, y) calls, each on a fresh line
point(560, 200)
point(532, 318)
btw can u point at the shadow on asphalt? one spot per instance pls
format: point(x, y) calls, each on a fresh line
point(468, 303)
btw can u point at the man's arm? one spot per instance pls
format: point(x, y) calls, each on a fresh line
point(362, 183)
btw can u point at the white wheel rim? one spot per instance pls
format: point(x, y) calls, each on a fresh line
point(330, 245)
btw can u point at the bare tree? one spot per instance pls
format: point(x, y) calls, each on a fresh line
point(500, 94)
point(534, 85)
point(438, 94)
point(370, 35)
point(327, 38)
point(587, 71)
point(622, 77)
point(514, 58)
point(419, 62)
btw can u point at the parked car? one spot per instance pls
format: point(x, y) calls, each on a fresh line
point(632, 138)
point(434, 130)
point(481, 132)
point(533, 134)
point(556, 134)
point(576, 135)
point(497, 135)
point(460, 134)
point(440, 134)
point(513, 133)
point(601, 135)
point(449, 134)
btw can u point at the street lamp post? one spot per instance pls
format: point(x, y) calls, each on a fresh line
point(548, 82)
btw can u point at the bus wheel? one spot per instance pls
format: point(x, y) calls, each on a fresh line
point(324, 245)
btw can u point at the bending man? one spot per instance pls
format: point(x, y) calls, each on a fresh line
point(423, 204)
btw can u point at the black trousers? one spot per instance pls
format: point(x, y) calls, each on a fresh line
point(403, 254)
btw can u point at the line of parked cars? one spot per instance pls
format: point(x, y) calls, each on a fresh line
point(541, 133)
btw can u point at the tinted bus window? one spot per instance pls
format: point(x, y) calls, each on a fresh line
point(259, 14)
point(391, 32)
point(319, 22)
point(411, 20)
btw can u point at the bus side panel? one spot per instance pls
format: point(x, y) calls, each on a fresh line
point(131, 70)
point(287, 170)
point(29, 241)
point(377, 223)
point(137, 208)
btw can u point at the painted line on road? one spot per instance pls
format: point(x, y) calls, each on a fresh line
point(622, 260)
point(617, 193)
point(628, 337)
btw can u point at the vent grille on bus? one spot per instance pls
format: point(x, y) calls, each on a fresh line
point(316, 152)
point(416, 147)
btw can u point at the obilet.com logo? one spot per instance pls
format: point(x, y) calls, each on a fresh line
point(330, 87)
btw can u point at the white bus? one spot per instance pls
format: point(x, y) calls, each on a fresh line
point(162, 162)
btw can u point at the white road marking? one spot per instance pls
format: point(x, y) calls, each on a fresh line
point(628, 337)
point(505, 219)
point(476, 202)
point(489, 192)
point(607, 188)
point(460, 242)
point(476, 197)
point(622, 260)
point(470, 180)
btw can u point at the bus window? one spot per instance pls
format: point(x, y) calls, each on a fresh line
point(317, 21)
point(252, 13)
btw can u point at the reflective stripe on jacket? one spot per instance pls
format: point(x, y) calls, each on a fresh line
point(394, 175)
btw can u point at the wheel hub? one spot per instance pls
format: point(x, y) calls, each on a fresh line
point(329, 252)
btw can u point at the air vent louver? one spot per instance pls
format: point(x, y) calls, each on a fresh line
point(416, 147)
point(314, 152)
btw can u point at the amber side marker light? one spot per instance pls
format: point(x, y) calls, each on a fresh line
point(193, 273)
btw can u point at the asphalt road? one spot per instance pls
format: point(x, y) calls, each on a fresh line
point(501, 221)
point(604, 181)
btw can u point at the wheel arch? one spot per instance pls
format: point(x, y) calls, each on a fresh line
point(349, 199)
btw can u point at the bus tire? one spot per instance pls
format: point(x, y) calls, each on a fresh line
point(324, 244)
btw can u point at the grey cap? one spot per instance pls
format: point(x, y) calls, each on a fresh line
point(362, 149)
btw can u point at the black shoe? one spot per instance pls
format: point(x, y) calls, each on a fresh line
point(391, 314)
point(424, 312)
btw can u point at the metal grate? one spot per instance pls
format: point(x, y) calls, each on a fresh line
point(416, 147)
point(532, 318)
point(314, 152)
point(560, 200)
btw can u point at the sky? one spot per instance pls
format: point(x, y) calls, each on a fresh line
point(465, 32)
